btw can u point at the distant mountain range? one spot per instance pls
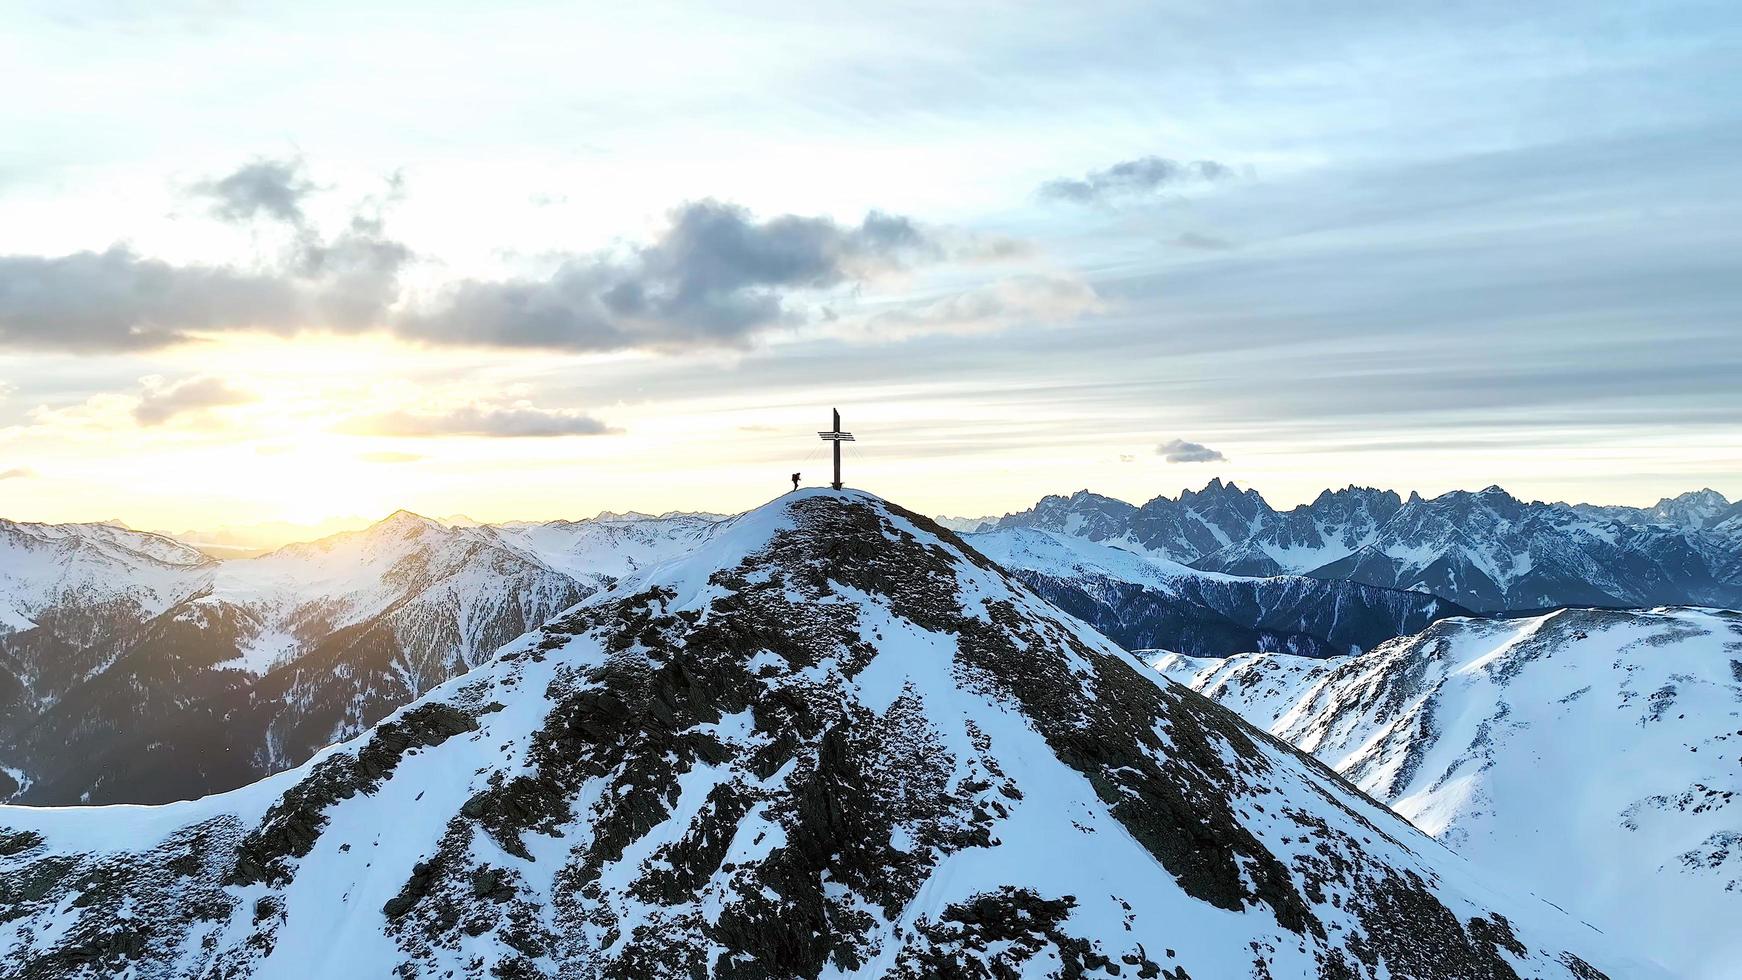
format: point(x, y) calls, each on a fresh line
point(136, 668)
point(1593, 757)
point(1485, 550)
point(1142, 600)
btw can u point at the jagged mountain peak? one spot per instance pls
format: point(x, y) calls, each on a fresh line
point(831, 741)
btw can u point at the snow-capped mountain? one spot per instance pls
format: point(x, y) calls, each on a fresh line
point(1696, 509)
point(1336, 524)
point(1143, 601)
point(1485, 550)
point(610, 545)
point(207, 674)
point(1490, 551)
point(832, 741)
point(1592, 757)
point(65, 589)
point(966, 525)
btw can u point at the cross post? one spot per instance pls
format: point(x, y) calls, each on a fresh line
point(837, 437)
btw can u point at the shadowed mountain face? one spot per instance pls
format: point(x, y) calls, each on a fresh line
point(833, 741)
point(1486, 551)
point(134, 669)
point(1589, 756)
point(1146, 602)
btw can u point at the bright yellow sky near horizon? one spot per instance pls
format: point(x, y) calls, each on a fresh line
point(327, 260)
point(291, 452)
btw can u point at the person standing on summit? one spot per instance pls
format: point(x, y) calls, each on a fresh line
point(795, 482)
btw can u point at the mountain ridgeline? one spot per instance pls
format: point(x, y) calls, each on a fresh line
point(1143, 601)
point(1487, 551)
point(136, 669)
point(832, 740)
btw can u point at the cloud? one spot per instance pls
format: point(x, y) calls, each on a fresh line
point(715, 277)
point(392, 457)
point(117, 300)
point(1180, 451)
point(513, 421)
point(1133, 178)
point(17, 473)
point(162, 402)
point(1007, 303)
point(274, 188)
point(1192, 239)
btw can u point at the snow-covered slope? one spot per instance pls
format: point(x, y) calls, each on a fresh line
point(161, 674)
point(1141, 600)
point(1592, 757)
point(830, 742)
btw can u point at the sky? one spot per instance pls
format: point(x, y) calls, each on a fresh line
point(272, 262)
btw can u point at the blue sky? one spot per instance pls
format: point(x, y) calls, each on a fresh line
point(273, 262)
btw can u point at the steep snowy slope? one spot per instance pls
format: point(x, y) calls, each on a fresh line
point(832, 742)
point(1143, 601)
point(1592, 757)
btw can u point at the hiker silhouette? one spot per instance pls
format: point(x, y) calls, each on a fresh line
point(795, 481)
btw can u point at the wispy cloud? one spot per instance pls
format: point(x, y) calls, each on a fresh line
point(17, 473)
point(1133, 179)
point(1015, 301)
point(163, 401)
point(1181, 451)
point(511, 421)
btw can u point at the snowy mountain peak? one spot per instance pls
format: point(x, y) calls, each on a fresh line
point(831, 741)
point(403, 519)
point(1586, 755)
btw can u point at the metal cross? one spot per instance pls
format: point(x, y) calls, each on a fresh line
point(837, 437)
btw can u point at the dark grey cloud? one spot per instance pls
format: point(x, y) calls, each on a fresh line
point(119, 300)
point(716, 277)
point(1132, 179)
point(514, 421)
point(162, 402)
point(271, 188)
point(1181, 451)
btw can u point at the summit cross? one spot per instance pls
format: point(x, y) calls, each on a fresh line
point(837, 437)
